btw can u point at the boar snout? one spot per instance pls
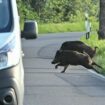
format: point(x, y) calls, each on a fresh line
point(53, 62)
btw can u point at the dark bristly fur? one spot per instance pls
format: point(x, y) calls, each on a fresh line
point(79, 46)
point(70, 57)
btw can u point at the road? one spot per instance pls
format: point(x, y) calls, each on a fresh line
point(45, 85)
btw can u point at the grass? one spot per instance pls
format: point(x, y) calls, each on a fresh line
point(60, 27)
point(100, 55)
point(64, 27)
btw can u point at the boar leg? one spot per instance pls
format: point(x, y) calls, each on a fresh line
point(95, 70)
point(65, 67)
point(91, 67)
point(97, 65)
point(59, 64)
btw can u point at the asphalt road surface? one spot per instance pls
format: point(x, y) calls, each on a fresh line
point(45, 85)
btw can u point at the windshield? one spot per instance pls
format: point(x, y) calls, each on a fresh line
point(5, 16)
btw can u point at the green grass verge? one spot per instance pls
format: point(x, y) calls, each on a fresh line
point(60, 27)
point(64, 27)
point(100, 55)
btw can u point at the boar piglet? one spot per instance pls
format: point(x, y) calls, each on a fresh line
point(69, 57)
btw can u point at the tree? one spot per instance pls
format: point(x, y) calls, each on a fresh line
point(38, 5)
point(101, 31)
point(57, 10)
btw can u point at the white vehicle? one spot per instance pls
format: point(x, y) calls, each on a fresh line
point(11, 67)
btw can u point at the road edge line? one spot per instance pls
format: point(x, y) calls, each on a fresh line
point(102, 77)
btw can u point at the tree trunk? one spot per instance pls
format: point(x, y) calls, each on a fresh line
point(101, 32)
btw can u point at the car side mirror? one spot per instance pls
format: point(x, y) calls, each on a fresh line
point(30, 30)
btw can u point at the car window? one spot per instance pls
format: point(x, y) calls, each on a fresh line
point(5, 16)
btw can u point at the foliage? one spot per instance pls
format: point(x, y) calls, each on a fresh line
point(56, 11)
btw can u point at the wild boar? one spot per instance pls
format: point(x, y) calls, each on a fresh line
point(69, 57)
point(80, 47)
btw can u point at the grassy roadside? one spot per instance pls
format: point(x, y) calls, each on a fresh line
point(60, 27)
point(64, 27)
point(100, 55)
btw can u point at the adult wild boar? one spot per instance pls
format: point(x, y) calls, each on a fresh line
point(79, 46)
point(69, 57)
